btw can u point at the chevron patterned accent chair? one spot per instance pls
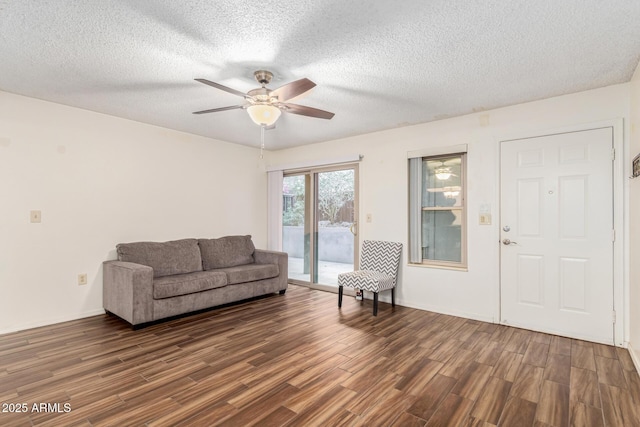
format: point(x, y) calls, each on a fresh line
point(379, 263)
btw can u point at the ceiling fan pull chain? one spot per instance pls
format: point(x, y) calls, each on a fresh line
point(262, 141)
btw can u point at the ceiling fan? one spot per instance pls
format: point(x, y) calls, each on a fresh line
point(265, 105)
point(443, 169)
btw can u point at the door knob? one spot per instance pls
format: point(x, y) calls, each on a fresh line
point(508, 242)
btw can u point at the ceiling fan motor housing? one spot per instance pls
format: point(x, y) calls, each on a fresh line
point(261, 95)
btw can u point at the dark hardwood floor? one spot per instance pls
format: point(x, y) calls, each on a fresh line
point(297, 360)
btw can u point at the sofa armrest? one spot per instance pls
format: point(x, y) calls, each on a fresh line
point(127, 291)
point(261, 256)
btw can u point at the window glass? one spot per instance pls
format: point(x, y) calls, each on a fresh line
point(437, 210)
point(442, 235)
point(441, 182)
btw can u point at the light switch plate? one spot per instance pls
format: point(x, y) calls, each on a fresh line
point(485, 219)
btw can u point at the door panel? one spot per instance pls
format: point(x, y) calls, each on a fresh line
point(530, 278)
point(557, 214)
point(335, 216)
point(573, 284)
point(530, 207)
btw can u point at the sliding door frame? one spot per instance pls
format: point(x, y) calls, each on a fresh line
point(311, 208)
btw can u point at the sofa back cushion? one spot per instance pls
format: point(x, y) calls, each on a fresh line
point(228, 251)
point(166, 258)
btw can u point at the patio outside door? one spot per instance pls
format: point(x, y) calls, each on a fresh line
point(319, 224)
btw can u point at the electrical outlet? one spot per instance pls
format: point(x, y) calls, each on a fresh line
point(35, 216)
point(82, 279)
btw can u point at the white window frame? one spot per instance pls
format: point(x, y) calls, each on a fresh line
point(415, 206)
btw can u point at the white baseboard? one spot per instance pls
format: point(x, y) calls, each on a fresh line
point(52, 321)
point(635, 357)
point(472, 316)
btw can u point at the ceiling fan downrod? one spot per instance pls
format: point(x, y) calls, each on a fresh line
point(263, 77)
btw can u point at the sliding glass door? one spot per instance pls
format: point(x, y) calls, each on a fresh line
point(296, 225)
point(319, 224)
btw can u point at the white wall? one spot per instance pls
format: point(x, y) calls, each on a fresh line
point(634, 224)
point(100, 180)
point(383, 188)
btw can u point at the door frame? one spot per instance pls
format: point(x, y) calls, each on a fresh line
point(313, 171)
point(620, 220)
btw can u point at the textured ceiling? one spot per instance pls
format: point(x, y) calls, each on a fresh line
point(377, 64)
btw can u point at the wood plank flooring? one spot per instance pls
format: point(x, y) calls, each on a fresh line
point(296, 360)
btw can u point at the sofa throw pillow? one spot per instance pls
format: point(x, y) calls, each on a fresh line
point(227, 251)
point(166, 258)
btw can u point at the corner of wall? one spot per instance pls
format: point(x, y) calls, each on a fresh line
point(635, 356)
point(633, 187)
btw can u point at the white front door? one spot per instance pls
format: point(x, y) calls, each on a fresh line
point(557, 234)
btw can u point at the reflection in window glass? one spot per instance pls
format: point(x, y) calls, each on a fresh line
point(441, 182)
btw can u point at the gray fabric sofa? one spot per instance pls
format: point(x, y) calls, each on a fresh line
point(154, 280)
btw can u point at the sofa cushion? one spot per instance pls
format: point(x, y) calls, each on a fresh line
point(228, 251)
point(250, 273)
point(166, 258)
point(183, 284)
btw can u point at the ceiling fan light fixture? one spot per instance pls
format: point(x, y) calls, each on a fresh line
point(443, 173)
point(263, 114)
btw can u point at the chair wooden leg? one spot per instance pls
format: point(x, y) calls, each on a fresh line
point(375, 303)
point(393, 297)
point(340, 296)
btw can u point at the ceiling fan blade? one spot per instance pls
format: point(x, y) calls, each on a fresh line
point(293, 89)
point(215, 110)
point(221, 87)
point(307, 111)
